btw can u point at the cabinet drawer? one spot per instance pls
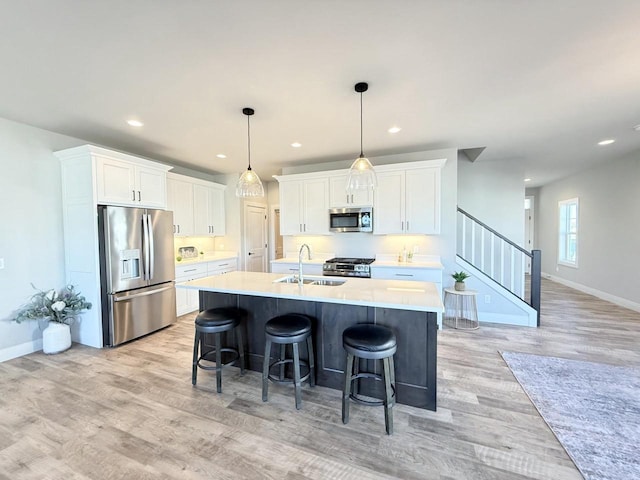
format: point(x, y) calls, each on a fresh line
point(188, 272)
point(222, 266)
point(404, 273)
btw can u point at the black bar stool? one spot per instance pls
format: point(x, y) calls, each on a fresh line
point(290, 329)
point(372, 342)
point(217, 321)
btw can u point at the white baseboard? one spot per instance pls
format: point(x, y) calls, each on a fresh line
point(20, 350)
point(519, 320)
point(623, 302)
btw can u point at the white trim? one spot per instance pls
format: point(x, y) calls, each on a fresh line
point(16, 351)
point(623, 302)
point(272, 233)
point(503, 318)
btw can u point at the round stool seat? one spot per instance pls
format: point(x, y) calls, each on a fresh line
point(291, 325)
point(370, 338)
point(218, 317)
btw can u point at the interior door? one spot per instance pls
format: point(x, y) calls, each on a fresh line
point(255, 238)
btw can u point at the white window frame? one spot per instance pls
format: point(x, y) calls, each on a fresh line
point(565, 232)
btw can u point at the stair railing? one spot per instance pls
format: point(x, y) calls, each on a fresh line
point(500, 259)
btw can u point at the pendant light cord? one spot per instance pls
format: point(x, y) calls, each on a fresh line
point(249, 139)
point(361, 150)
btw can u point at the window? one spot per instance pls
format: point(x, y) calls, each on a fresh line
point(568, 232)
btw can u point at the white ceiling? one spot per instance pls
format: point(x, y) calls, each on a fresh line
point(537, 83)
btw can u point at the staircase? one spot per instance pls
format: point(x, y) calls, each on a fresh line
point(498, 261)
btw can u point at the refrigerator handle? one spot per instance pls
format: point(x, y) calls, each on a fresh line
point(145, 246)
point(124, 298)
point(152, 250)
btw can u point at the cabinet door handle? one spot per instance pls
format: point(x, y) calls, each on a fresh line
point(211, 228)
point(352, 198)
point(403, 275)
point(178, 228)
point(402, 227)
point(300, 228)
point(223, 265)
point(190, 270)
point(139, 198)
point(134, 195)
point(305, 226)
point(347, 198)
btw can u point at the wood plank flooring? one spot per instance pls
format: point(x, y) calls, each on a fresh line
point(131, 412)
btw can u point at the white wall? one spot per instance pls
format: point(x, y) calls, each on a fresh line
point(609, 229)
point(493, 192)
point(31, 238)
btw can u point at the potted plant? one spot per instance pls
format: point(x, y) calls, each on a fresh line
point(60, 309)
point(460, 277)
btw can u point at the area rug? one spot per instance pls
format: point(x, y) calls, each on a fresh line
point(592, 408)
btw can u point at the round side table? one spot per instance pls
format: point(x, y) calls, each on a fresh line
point(460, 309)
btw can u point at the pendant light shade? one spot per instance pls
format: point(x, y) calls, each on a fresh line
point(249, 184)
point(362, 176)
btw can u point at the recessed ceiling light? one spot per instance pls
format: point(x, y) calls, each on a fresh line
point(296, 145)
point(135, 123)
point(221, 155)
point(394, 130)
point(527, 179)
point(606, 142)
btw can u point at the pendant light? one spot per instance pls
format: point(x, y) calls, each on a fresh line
point(362, 176)
point(249, 184)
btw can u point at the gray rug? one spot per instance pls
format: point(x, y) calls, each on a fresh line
point(593, 409)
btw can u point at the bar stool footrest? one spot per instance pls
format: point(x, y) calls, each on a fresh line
point(356, 397)
point(276, 378)
point(212, 353)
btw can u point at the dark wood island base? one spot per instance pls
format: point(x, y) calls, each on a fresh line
point(416, 333)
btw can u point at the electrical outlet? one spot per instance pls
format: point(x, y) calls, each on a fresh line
point(487, 299)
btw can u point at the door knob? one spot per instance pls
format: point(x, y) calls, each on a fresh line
point(250, 253)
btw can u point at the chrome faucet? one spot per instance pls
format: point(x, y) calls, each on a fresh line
point(300, 279)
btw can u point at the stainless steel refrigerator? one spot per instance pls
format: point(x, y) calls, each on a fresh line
point(137, 272)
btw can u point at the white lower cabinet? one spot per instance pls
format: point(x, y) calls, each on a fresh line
point(187, 300)
point(415, 274)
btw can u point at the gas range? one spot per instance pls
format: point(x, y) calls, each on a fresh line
point(348, 267)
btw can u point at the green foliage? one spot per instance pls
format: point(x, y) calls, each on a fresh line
point(61, 307)
point(460, 276)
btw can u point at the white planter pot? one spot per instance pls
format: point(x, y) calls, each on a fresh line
point(56, 338)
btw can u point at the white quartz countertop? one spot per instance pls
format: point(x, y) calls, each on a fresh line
point(209, 257)
point(397, 294)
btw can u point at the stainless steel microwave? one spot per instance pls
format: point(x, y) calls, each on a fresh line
point(351, 219)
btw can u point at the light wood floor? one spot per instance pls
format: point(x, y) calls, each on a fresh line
point(131, 412)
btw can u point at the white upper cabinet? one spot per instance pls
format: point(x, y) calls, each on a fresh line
point(407, 199)
point(198, 206)
point(180, 201)
point(132, 182)
point(338, 196)
point(208, 211)
point(304, 205)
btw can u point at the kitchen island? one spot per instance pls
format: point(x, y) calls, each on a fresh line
point(409, 308)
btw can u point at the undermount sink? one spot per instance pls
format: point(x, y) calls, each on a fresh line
point(311, 280)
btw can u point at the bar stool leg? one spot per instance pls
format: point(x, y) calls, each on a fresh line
point(283, 354)
point(296, 376)
point(392, 367)
point(240, 348)
point(388, 399)
point(312, 365)
point(346, 389)
point(218, 362)
point(194, 369)
point(265, 370)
